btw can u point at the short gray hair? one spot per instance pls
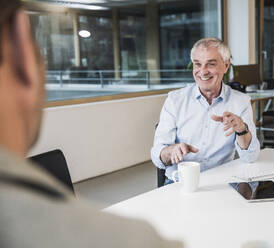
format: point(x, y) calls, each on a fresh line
point(223, 49)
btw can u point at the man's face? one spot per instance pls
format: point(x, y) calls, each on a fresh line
point(208, 69)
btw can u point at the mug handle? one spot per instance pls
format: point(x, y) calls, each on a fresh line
point(173, 176)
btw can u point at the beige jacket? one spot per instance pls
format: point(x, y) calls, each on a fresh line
point(36, 219)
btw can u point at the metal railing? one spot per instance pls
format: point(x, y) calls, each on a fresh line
point(103, 78)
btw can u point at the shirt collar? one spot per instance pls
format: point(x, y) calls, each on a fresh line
point(224, 91)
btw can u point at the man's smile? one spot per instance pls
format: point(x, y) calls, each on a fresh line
point(205, 78)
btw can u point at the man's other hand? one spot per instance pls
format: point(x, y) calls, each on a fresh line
point(173, 154)
point(230, 121)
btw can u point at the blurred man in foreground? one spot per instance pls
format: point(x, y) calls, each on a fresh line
point(35, 210)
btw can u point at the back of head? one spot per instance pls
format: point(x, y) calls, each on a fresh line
point(7, 13)
point(212, 42)
point(21, 80)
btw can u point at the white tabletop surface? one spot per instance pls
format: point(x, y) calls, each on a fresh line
point(214, 216)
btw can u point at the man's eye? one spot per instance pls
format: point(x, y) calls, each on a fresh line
point(212, 64)
point(197, 64)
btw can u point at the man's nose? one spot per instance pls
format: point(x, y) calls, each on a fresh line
point(203, 70)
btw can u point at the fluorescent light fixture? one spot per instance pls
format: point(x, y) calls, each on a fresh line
point(77, 4)
point(84, 33)
point(85, 6)
point(88, 1)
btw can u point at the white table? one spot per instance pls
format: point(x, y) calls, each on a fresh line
point(214, 216)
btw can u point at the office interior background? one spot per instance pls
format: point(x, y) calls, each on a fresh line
point(121, 46)
point(111, 63)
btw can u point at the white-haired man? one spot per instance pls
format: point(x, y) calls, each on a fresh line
point(207, 121)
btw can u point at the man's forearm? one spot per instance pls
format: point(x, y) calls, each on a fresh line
point(244, 141)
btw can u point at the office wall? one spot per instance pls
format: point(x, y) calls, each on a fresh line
point(99, 138)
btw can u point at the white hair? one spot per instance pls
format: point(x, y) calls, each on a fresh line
point(223, 49)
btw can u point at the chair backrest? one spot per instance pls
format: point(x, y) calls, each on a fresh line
point(161, 177)
point(55, 163)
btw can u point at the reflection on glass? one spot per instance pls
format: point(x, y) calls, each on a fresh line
point(264, 190)
point(132, 44)
point(54, 33)
point(97, 49)
point(181, 25)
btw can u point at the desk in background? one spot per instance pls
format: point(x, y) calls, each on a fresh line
point(214, 216)
point(260, 96)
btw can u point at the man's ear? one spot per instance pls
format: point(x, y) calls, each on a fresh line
point(227, 64)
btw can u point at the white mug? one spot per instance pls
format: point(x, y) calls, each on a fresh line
point(188, 175)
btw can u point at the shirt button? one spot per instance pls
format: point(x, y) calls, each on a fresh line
point(203, 143)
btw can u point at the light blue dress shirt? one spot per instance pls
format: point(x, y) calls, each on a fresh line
point(186, 117)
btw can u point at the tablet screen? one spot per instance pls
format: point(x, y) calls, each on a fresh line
point(263, 192)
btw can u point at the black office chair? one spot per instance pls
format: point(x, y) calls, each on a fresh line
point(55, 163)
point(161, 177)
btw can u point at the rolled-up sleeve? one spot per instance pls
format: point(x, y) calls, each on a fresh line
point(165, 133)
point(155, 156)
point(251, 154)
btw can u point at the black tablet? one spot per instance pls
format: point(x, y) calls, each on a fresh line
point(264, 191)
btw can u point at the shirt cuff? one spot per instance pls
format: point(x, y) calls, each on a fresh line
point(155, 156)
point(251, 153)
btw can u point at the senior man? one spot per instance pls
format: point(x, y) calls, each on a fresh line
point(207, 121)
point(35, 209)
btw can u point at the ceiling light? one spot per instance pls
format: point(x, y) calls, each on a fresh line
point(85, 6)
point(78, 4)
point(96, 2)
point(84, 33)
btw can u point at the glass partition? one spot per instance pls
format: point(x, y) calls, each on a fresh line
point(181, 25)
point(132, 43)
point(97, 49)
point(115, 50)
point(54, 33)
